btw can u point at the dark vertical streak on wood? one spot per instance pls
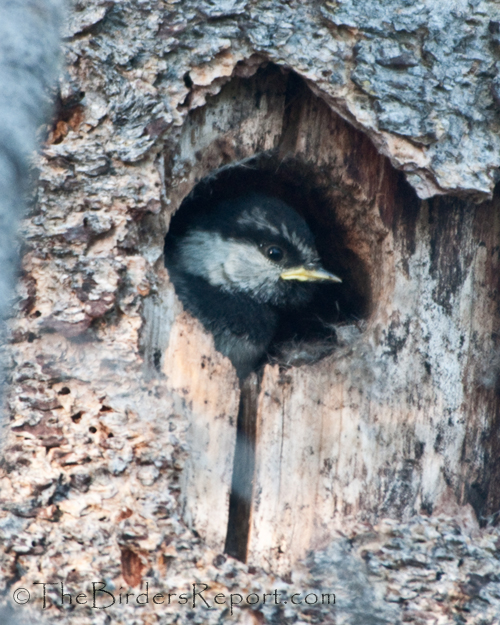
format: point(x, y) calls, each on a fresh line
point(406, 206)
point(492, 275)
point(296, 94)
point(243, 471)
point(451, 246)
point(481, 376)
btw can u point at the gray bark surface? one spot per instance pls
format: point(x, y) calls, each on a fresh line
point(29, 53)
point(373, 466)
point(419, 78)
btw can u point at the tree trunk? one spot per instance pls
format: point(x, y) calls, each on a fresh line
point(361, 463)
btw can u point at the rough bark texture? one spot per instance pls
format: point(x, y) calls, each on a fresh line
point(118, 457)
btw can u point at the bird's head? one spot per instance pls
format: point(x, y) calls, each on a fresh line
point(258, 245)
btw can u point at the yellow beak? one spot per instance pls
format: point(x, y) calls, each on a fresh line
point(308, 275)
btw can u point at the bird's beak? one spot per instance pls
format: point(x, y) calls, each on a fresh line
point(309, 275)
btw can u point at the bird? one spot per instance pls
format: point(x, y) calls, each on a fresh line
point(238, 266)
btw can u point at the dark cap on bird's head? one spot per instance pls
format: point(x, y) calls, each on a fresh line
point(238, 264)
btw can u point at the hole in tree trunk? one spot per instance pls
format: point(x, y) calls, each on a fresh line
point(271, 134)
point(307, 333)
point(305, 189)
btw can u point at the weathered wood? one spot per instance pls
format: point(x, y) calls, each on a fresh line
point(368, 431)
point(207, 383)
point(385, 426)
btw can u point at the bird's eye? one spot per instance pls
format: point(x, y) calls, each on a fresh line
point(275, 253)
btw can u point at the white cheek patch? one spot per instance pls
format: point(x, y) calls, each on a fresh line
point(228, 263)
point(246, 267)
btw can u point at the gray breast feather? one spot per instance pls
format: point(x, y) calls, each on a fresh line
point(243, 353)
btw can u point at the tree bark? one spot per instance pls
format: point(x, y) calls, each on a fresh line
point(373, 469)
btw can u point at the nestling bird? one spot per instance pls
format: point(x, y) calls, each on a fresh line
point(238, 266)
